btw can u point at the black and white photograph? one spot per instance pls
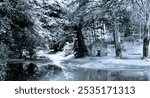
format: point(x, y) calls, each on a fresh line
point(74, 40)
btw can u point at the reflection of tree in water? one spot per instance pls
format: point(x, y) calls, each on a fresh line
point(83, 74)
point(21, 71)
point(14, 72)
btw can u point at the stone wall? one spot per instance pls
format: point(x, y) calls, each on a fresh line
point(98, 48)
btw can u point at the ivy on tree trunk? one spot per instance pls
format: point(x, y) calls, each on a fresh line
point(79, 44)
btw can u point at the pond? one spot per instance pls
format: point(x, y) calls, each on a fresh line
point(81, 74)
point(47, 71)
point(134, 73)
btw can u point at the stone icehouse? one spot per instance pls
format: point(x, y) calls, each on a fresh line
point(98, 48)
point(96, 41)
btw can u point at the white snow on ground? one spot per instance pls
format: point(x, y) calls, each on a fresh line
point(42, 53)
point(56, 58)
point(137, 62)
point(59, 57)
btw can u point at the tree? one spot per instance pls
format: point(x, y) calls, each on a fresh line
point(17, 28)
point(142, 7)
point(79, 44)
point(52, 22)
point(77, 23)
point(95, 10)
point(112, 8)
point(117, 39)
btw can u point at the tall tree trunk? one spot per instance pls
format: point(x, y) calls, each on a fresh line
point(146, 34)
point(117, 40)
point(145, 43)
point(79, 45)
point(145, 47)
